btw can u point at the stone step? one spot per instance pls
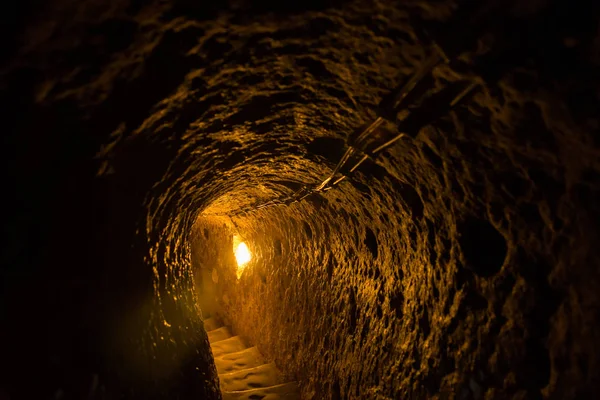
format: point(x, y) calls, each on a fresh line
point(216, 335)
point(226, 346)
point(238, 361)
point(210, 324)
point(252, 378)
point(287, 391)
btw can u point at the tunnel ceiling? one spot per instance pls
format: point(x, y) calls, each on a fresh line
point(462, 260)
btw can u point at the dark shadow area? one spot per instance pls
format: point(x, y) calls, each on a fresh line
point(483, 246)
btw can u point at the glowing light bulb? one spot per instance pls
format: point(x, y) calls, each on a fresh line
point(242, 256)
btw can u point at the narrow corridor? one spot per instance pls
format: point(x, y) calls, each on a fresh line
point(387, 199)
point(243, 372)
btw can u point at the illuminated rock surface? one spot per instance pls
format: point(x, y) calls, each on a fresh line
point(464, 261)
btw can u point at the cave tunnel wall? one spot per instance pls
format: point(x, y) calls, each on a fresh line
point(460, 262)
point(391, 291)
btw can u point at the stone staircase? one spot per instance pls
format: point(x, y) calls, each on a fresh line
point(243, 373)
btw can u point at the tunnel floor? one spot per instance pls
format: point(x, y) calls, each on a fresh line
point(243, 371)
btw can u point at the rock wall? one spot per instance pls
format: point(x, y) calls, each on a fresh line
point(461, 262)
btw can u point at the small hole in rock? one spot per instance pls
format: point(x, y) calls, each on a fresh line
point(277, 247)
point(371, 242)
point(483, 246)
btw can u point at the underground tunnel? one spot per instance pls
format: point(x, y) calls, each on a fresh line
point(177, 227)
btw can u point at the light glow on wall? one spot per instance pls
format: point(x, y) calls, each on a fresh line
point(242, 255)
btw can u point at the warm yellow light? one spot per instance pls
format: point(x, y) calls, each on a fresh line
point(242, 256)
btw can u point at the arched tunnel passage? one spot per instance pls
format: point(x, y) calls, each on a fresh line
point(458, 263)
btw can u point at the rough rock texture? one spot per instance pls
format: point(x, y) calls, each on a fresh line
point(462, 263)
